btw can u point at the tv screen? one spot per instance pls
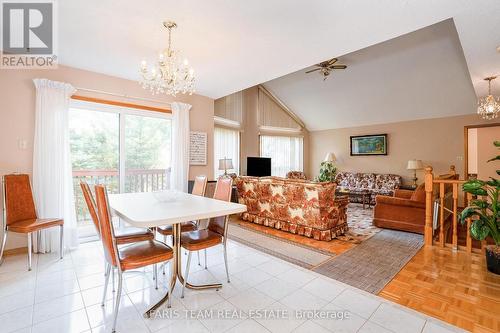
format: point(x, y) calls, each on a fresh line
point(258, 166)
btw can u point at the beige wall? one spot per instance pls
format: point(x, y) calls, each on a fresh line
point(17, 114)
point(437, 142)
point(486, 150)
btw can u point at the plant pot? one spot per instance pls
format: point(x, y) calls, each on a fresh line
point(493, 258)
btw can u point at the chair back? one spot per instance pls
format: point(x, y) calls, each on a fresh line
point(223, 190)
point(200, 185)
point(18, 198)
point(106, 225)
point(89, 200)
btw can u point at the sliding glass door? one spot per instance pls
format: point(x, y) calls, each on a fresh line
point(125, 149)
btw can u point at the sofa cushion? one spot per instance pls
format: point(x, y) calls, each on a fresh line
point(419, 193)
point(387, 182)
point(365, 180)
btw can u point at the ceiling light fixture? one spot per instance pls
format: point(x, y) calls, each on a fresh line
point(489, 106)
point(170, 75)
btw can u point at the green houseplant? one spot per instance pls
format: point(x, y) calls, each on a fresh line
point(485, 214)
point(327, 172)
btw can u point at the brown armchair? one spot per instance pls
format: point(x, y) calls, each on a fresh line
point(403, 211)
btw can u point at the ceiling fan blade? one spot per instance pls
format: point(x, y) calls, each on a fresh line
point(332, 61)
point(313, 70)
point(339, 67)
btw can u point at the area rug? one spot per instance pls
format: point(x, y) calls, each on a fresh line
point(360, 224)
point(284, 249)
point(373, 263)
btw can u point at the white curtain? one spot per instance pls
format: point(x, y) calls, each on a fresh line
point(286, 153)
point(226, 145)
point(52, 180)
point(180, 147)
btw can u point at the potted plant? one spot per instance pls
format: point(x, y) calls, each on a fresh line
point(485, 214)
point(327, 171)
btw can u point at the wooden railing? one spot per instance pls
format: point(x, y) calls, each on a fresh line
point(438, 192)
point(136, 180)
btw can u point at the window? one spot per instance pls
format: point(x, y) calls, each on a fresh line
point(127, 150)
point(226, 145)
point(286, 153)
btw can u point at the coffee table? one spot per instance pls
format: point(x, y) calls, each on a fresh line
point(365, 196)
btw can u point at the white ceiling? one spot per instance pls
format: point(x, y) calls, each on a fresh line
point(237, 44)
point(416, 76)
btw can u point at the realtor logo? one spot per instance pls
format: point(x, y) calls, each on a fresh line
point(28, 34)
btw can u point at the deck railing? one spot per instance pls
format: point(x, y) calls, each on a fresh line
point(445, 194)
point(136, 180)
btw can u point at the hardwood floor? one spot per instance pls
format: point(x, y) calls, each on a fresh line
point(453, 287)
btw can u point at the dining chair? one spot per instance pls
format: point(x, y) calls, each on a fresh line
point(214, 234)
point(19, 213)
point(199, 188)
point(124, 235)
point(132, 256)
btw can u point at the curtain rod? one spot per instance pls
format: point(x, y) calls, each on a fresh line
point(123, 95)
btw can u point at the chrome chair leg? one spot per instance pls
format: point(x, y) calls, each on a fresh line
point(61, 240)
point(29, 251)
point(164, 241)
point(113, 278)
point(118, 296)
point(188, 264)
point(106, 281)
point(205, 258)
point(155, 273)
point(4, 241)
point(169, 304)
point(225, 263)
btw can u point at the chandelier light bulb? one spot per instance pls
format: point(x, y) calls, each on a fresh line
point(186, 62)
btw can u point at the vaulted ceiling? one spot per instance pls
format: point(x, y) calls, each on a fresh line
point(419, 75)
point(237, 44)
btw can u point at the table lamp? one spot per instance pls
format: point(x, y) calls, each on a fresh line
point(415, 165)
point(330, 157)
point(225, 164)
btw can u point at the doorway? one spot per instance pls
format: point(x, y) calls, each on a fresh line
point(479, 149)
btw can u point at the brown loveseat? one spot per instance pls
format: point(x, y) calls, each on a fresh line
point(405, 210)
point(377, 184)
point(296, 206)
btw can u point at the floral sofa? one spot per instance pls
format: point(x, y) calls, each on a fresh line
point(297, 206)
point(296, 175)
point(377, 184)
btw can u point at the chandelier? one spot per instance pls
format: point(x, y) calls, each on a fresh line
point(489, 106)
point(169, 75)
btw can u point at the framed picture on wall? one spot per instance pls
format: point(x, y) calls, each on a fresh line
point(365, 145)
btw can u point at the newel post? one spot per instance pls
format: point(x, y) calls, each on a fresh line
point(428, 232)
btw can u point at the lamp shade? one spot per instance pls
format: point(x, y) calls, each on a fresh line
point(225, 164)
point(415, 165)
point(330, 157)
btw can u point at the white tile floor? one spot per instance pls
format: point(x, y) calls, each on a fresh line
point(64, 296)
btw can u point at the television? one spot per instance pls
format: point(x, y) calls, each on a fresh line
point(258, 166)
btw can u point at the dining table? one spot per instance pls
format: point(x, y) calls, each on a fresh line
point(154, 209)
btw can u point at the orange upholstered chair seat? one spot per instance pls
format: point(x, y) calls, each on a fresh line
point(31, 225)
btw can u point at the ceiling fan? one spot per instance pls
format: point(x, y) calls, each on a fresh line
point(326, 67)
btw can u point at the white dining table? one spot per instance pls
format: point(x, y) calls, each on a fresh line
point(153, 209)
